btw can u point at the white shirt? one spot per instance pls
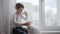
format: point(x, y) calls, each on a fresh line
point(20, 19)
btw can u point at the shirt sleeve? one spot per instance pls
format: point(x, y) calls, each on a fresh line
point(26, 18)
point(16, 20)
point(29, 17)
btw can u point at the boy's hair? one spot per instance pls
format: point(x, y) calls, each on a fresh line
point(19, 5)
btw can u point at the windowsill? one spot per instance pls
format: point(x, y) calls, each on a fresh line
point(50, 31)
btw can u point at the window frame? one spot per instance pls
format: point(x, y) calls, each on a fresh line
point(42, 19)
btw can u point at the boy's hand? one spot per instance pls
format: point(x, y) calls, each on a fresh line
point(27, 23)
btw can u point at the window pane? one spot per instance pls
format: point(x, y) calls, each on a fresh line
point(51, 12)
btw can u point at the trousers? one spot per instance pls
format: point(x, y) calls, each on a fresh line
point(19, 30)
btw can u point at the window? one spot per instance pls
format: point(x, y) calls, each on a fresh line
point(50, 15)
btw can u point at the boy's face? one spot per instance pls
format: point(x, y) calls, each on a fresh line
point(20, 9)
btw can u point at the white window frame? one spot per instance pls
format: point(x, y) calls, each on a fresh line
point(42, 20)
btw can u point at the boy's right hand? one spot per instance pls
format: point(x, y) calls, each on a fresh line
point(27, 23)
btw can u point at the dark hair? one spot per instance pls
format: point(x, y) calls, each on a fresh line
point(19, 5)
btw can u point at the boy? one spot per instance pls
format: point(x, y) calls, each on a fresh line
point(18, 20)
